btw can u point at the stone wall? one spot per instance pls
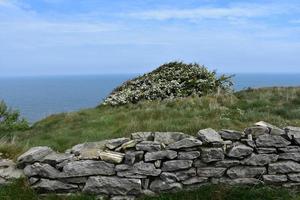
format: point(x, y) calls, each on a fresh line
point(149, 163)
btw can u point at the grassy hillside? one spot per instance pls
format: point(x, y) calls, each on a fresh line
point(279, 106)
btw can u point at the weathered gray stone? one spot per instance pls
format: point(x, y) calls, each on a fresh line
point(46, 186)
point(142, 136)
point(239, 150)
point(273, 130)
point(168, 177)
point(246, 172)
point(56, 158)
point(132, 157)
point(160, 155)
point(115, 143)
point(161, 186)
point(295, 156)
point(33, 180)
point(199, 163)
point(263, 150)
point(237, 181)
point(195, 180)
point(88, 168)
point(185, 174)
point(231, 134)
point(147, 169)
point(74, 180)
point(148, 146)
point(293, 133)
point(284, 167)
point(185, 143)
point(212, 154)
point(273, 179)
point(260, 159)
point(191, 155)
point(42, 170)
point(211, 172)
point(87, 147)
point(209, 135)
point(289, 149)
point(227, 163)
point(127, 145)
point(145, 183)
point(123, 198)
point(294, 177)
point(111, 156)
point(257, 131)
point(112, 186)
point(157, 164)
point(169, 137)
point(34, 154)
point(175, 165)
point(9, 171)
point(291, 185)
point(268, 140)
point(249, 142)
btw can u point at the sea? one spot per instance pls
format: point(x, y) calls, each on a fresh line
point(39, 97)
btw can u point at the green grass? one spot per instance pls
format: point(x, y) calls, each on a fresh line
point(279, 106)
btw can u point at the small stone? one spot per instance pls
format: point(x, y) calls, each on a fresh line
point(211, 172)
point(212, 154)
point(175, 165)
point(273, 129)
point(34, 154)
point(46, 186)
point(293, 133)
point(128, 145)
point(284, 167)
point(188, 155)
point(161, 186)
point(145, 183)
point(246, 172)
point(33, 180)
point(185, 174)
point(209, 135)
point(112, 157)
point(231, 134)
point(148, 146)
point(88, 168)
point(168, 177)
point(239, 151)
point(115, 143)
point(112, 186)
point(294, 177)
point(157, 163)
point(56, 158)
point(160, 155)
point(260, 159)
point(271, 141)
point(227, 163)
point(185, 143)
point(132, 157)
point(295, 156)
point(263, 150)
point(169, 137)
point(89, 154)
point(147, 169)
point(273, 179)
point(142, 136)
point(195, 180)
point(256, 131)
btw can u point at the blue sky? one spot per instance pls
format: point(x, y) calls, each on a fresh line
point(50, 37)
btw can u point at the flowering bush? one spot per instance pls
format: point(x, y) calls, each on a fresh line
point(171, 80)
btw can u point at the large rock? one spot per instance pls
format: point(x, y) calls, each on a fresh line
point(111, 156)
point(142, 136)
point(46, 186)
point(294, 177)
point(268, 140)
point(185, 143)
point(257, 131)
point(34, 154)
point(273, 179)
point(246, 172)
point(149, 146)
point(212, 154)
point(239, 151)
point(42, 170)
point(112, 186)
point(210, 172)
point(231, 134)
point(209, 135)
point(115, 143)
point(295, 156)
point(160, 155)
point(169, 137)
point(273, 130)
point(260, 159)
point(162, 186)
point(175, 165)
point(284, 167)
point(190, 155)
point(88, 168)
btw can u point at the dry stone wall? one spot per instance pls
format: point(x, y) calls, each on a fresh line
point(149, 163)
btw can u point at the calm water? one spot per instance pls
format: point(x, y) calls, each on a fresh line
point(37, 98)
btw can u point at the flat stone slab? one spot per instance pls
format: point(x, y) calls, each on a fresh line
point(190, 155)
point(148, 146)
point(175, 165)
point(246, 172)
point(160, 155)
point(284, 167)
point(239, 150)
point(260, 159)
point(115, 143)
point(268, 140)
point(54, 186)
point(212, 154)
point(211, 172)
point(209, 135)
point(34, 154)
point(231, 134)
point(185, 143)
point(169, 137)
point(274, 179)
